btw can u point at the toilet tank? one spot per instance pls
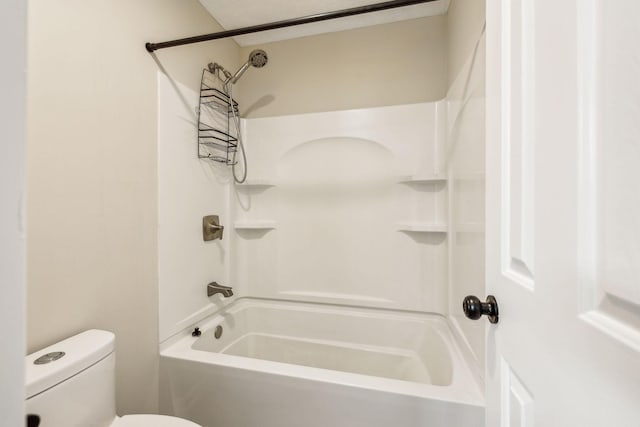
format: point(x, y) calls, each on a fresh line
point(76, 389)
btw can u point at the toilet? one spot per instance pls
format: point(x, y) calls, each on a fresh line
point(72, 384)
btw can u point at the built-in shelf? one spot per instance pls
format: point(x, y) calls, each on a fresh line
point(257, 183)
point(255, 225)
point(423, 179)
point(422, 227)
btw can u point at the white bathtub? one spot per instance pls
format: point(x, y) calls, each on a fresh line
point(287, 364)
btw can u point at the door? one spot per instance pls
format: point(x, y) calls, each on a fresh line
point(563, 212)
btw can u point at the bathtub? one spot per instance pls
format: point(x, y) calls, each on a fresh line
point(290, 364)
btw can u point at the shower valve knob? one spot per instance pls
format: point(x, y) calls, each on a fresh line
point(475, 309)
point(211, 228)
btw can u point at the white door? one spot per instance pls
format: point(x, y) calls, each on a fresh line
point(563, 215)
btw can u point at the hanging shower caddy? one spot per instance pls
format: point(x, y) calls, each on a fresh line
point(216, 139)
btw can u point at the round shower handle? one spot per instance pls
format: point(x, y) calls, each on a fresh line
point(475, 309)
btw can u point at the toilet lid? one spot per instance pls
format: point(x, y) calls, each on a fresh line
point(152, 421)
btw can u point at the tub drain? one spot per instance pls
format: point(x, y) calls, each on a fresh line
point(218, 332)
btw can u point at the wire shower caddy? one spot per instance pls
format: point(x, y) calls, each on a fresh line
point(216, 140)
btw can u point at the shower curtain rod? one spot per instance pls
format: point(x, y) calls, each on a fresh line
point(287, 23)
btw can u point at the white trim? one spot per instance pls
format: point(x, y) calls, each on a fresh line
point(12, 227)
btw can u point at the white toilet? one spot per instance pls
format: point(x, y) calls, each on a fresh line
point(72, 384)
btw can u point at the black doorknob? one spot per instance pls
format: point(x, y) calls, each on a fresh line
point(474, 308)
point(33, 420)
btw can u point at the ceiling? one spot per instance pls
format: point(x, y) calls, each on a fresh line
point(232, 14)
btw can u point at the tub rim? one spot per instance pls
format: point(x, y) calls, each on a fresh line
point(464, 387)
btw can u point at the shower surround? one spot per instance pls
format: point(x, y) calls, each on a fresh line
point(343, 207)
point(340, 227)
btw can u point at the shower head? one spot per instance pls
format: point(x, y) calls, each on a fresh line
point(257, 58)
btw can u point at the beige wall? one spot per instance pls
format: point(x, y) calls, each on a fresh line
point(92, 173)
point(398, 63)
point(464, 24)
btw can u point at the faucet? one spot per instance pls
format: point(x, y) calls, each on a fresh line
point(214, 288)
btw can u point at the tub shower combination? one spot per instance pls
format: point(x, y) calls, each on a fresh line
point(343, 333)
point(297, 364)
point(327, 324)
point(339, 312)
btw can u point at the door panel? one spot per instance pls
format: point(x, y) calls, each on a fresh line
point(517, 401)
point(610, 154)
point(516, 141)
point(563, 212)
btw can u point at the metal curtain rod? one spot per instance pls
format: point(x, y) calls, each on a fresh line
point(287, 23)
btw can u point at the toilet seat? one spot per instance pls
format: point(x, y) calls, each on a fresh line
point(152, 421)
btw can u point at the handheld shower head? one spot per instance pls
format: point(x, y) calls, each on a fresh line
point(257, 58)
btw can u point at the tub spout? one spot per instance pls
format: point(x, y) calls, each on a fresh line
point(214, 288)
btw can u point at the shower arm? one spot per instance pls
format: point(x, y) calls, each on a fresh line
point(151, 47)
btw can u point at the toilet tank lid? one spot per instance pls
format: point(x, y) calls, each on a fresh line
point(81, 351)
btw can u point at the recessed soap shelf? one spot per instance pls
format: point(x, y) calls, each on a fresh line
point(255, 225)
point(423, 179)
point(422, 227)
point(257, 183)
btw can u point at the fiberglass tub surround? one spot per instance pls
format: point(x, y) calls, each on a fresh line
point(298, 363)
point(355, 210)
point(337, 247)
point(342, 207)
